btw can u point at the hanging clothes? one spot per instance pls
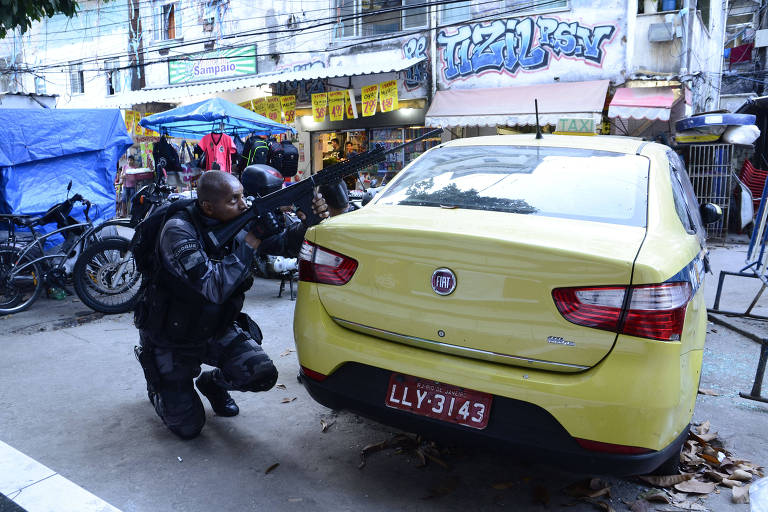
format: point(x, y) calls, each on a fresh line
point(218, 148)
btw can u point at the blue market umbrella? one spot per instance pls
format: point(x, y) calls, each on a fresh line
point(198, 119)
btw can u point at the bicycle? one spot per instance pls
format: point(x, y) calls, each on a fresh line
point(26, 267)
point(106, 278)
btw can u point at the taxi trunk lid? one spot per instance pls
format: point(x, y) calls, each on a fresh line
point(505, 266)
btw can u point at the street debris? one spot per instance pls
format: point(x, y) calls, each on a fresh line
point(287, 400)
point(287, 352)
point(424, 450)
point(706, 466)
point(281, 386)
point(708, 392)
point(180, 459)
point(324, 425)
point(271, 468)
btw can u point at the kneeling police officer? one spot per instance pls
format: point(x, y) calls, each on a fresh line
point(191, 312)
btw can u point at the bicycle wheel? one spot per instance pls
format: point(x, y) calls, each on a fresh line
point(105, 276)
point(18, 290)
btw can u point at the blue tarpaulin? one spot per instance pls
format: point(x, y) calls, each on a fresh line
point(42, 150)
point(196, 120)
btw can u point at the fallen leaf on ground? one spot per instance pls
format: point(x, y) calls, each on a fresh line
point(655, 496)
point(271, 468)
point(665, 481)
point(740, 494)
point(370, 449)
point(703, 428)
point(324, 425)
point(695, 486)
point(741, 476)
point(286, 352)
point(288, 400)
point(281, 386)
point(715, 476)
point(588, 489)
point(708, 392)
point(730, 483)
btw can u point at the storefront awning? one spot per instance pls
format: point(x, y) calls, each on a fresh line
point(175, 93)
point(514, 106)
point(651, 103)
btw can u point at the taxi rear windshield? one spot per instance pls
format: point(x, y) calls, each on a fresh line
point(572, 183)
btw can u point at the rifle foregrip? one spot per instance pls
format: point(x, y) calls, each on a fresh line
point(304, 204)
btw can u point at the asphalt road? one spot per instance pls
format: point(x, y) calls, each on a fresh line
point(73, 398)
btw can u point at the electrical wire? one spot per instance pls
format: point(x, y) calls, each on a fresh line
point(304, 31)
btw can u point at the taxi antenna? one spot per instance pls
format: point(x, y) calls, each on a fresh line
point(538, 126)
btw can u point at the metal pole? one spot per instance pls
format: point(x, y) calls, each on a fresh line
point(756, 387)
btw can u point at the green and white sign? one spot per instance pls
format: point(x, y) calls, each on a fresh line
point(212, 65)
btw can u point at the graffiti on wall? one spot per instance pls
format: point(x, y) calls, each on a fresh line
point(302, 89)
point(528, 44)
point(416, 75)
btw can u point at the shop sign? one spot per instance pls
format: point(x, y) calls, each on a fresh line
point(137, 128)
point(319, 106)
point(370, 97)
point(147, 131)
point(336, 105)
point(273, 108)
point(129, 121)
point(349, 100)
point(223, 63)
point(288, 103)
point(260, 106)
point(388, 96)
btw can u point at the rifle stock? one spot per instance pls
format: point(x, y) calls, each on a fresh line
point(301, 194)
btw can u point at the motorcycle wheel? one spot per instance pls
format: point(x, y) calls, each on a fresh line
point(105, 276)
point(17, 292)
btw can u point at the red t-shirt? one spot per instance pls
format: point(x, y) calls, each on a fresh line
point(218, 147)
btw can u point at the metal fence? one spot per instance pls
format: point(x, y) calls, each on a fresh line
point(710, 167)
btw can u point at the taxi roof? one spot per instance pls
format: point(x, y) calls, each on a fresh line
point(612, 143)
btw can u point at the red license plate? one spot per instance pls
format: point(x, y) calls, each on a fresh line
point(437, 400)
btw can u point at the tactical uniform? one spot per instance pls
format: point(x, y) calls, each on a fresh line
point(190, 314)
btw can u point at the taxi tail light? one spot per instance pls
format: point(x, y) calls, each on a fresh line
point(655, 311)
point(312, 374)
point(320, 265)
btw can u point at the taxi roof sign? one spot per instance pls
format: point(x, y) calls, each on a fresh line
point(575, 126)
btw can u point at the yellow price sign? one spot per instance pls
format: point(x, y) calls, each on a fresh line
point(273, 108)
point(336, 105)
point(388, 96)
point(370, 97)
point(288, 103)
point(349, 100)
point(129, 121)
point(260, 106)
point(319, 106)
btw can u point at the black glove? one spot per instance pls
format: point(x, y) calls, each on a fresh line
point(265, 226)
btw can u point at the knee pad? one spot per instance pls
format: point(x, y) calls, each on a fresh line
point(264, 381)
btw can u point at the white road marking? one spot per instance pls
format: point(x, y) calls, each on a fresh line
point(38, 488)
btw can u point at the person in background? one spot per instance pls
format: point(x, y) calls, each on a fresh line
point(349, 151)
point(129, 184)
point(336, 151)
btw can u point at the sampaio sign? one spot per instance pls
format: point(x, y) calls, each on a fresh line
point(212, 65)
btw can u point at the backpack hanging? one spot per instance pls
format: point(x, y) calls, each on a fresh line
point(290, 160)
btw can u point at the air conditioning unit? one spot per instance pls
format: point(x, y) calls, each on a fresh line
point(661, 32)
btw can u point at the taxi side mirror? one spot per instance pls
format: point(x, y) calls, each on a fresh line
point(710, 213)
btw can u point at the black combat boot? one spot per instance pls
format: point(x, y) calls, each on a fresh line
point(221, 402)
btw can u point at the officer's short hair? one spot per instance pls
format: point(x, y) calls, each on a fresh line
point(213, 184)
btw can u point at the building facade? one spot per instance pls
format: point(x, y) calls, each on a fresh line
point(472, 66)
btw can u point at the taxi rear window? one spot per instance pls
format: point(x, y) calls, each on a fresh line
point(575, 183)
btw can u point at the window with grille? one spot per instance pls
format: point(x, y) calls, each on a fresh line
point(167, 21)
point(114, 76)
point(76, 82)
point(374, 17)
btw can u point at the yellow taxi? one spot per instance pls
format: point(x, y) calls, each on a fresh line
point(542, 293)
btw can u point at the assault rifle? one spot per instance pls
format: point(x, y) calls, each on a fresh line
point(300, 194)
